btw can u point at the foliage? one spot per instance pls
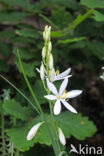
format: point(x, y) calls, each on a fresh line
point(67, 121)
point(77, 37)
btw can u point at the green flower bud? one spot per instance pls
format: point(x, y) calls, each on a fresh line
point(43, 52)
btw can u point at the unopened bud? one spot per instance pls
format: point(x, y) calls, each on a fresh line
point(50, 61)
point(61, 137)
point(46, 33)
point(42, 72)
point(43, 52)
point(33, 131)
point(49, 46)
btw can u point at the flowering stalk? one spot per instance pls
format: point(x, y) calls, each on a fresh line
point(47, 69)
point(38, 106)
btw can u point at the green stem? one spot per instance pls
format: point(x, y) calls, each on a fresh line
point(17, 152)
point(3, 135)
point(38, 105)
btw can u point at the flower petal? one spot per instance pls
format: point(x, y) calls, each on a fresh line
point(61, 137)
point(63, 86)
point(68, 106)
point(52, 76)
point(73, 93)
point(56, 79)
point(57, 107)
point(37, 70)
point(33, 131)
point(64, 74)
point(52, 87)
point(50, 97)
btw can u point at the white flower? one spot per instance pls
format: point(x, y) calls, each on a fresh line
point(33, 131)
point(61, 96)
point(61, 137)
point(102, 76)
point(56, 75)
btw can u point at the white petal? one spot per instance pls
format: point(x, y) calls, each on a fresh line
point(65, 73)
point(101, 76)
point(73, 93)
point(50, 97)
point(61, 137)
point(63, 86)
point(33, 131)
point(68, 106)
point(52, 76)
point(56, 79)
point(57, 107)
point(37, 70)
point(102, 68)
point(52, 87)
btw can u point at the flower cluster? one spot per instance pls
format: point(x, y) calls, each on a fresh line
point(48, 74)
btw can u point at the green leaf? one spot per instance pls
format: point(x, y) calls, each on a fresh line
point(71, 124)
point(1, 108)
point(20, 133)
point(24, 53)
point(40, 91)
point(29, 68)
point(24, 3)
point(7, 34)
point(3, 66)
point(80, 18)
point(71, 40)
point(4, 49)
point(68, 3)
point(96, 49)
point(12, 107)
point(99, 17)
point(13, 16)
point(26, 32)
point(76, 125)
point(60, 22)
point(93, 3)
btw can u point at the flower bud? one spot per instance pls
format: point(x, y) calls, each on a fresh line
point(46, 33)
point(50, 61)
point(43, 52)
point(33, 131)
point(42, 72)
point(61, 137)
point(49, 46)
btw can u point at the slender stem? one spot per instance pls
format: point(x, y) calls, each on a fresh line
point(20, 93)
point(12, 149)
point(17, 152)
point(3, 135)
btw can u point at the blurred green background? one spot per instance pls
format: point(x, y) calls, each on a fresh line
point(77, 42)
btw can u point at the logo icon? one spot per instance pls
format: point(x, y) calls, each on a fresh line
point(73, 149)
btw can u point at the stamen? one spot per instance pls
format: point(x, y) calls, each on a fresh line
point(59, 97)
point(57, 72)
point(65, 95)
point(49, 71)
